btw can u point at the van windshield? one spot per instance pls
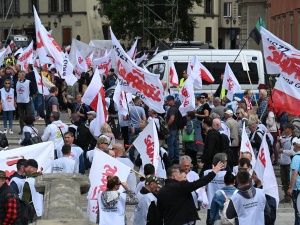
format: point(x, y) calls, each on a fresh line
point(217, 68)
point(157, 68)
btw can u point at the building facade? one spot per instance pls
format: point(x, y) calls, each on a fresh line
point(67, 19)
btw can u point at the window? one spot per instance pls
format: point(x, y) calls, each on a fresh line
point(54, 6)
point(158, 68)
point(66, 5)
point(208, 35)
point(34, 3)
point(227, 9)
point(208, 7)
point(15, 6)
point(240, 8)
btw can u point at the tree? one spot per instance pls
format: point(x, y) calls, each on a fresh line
point(126, 19)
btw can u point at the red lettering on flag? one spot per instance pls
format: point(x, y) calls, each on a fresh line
point(230, 83)
point(80, 60)
point(54, 43)
point(262, 157)
point(150, 147)
point(39, 41)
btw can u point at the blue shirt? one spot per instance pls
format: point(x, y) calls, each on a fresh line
point(295, 165)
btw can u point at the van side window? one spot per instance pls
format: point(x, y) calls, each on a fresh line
point(158, 68)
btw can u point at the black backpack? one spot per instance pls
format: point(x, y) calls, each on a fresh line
point(3, 140)
point(270, 145)
point(164, 131)
point(82, 136)
point(27, 210)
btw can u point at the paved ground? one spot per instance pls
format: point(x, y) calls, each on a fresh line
point(285, 214)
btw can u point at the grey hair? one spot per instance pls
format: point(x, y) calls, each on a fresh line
point(172, 170)
point(219, 157)
point(214, 115)
point(185, 158)
point(22, 72)
point(217, 99)
point(263, 92)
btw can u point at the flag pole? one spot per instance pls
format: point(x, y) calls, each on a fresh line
point(138, 173)
point(129, 117)
point(241, 49)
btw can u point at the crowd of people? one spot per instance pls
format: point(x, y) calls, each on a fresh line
point(213, 173)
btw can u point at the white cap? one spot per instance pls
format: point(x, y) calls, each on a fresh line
point(296, 141)
point(229, 112)
point(91, 113)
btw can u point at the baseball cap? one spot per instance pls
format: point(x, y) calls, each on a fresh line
point(3, 174)
point(151, 178)
point(32, 162)
point(296, 141)
point(170, 97)
point(91, 113)
point(229, 112)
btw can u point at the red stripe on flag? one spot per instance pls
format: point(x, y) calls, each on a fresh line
point(285, 102)
point(94, 103)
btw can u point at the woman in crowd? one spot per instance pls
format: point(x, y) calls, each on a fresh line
point(28, 131)
point(241, 116)
point(106, 131)
point(8, 105)
point(112, 202)
point(272, 127)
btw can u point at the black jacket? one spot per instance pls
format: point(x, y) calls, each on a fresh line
point(175, 204)
point(30, 76)
point(212, 146)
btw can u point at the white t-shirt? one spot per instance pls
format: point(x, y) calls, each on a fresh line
point(76, 152)
point(64, 165)
point(32, 130)
point(23, 91)
point(53, 133)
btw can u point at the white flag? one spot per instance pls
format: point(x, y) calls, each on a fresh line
point(187, 97)
point(103, 63)
point(26, 57)
point(147, 145)
point(196, 72)
point(132, 51)
point(173, 74)
point(81, 65)
point(103, 165)
point(230, 83)
point(42, 88)
point(265, 171)
point(246, 145)
point(141, 59)
point(156, 50)
point(136, 80)
point(120, 101)
point(19, 51)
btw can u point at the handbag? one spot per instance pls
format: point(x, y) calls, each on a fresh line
point(188, 137)
point(36, 138)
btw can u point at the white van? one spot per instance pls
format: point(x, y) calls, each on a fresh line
point(214, 60)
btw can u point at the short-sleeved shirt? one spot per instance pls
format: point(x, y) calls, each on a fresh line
point(172, 111)
point(295, 165)
point(49, 101)
point(136, 113)
point(201, 109)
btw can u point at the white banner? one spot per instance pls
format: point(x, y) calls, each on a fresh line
point(187, 96)
point(230, 83)
point(81, 65)
point(120, 100)
point(104, 63)
point(136, 80)
point(147, 145)
point(42, 88)
point(44, 158)
point(103, 165)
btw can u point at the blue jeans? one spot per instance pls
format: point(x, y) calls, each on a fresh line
point(37, 99)
point(297, 214)
point(131, 140)
point(7, 115)
point(173, 147)
point(32, 108)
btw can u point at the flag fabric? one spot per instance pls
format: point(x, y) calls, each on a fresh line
point(89, 60)
point(12, 44)
point(26, 57)
point(282, 58)
point(205, 74)
point(103, 63)
point(131, 53)
point(103, 165)
point(120, 100)
point(147, 145)
point(42, 88)
point(8, 50)
point(265, 172)
point(255, 32)
point(101, 118)
point(81, 65)
point(246, 146)
point(156, 50)
point(187, 97)
point(19, 51)
point(230, 83)
point(90, 96)
point(136, 80)
point(47, 45)
point(141, 59)
point(194, 71)
point(173, 74)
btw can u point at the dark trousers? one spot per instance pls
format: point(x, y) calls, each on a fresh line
point(297, 214)
point(23, 109)
point(125, 135)
point(235, 153)
point(193, 155)
point(285, 177)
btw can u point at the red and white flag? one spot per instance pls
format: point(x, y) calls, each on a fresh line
point(147, 145)
point(132, 52)
point(26, 57)
point(19, 51)
point(282, 58)
point(120, 100)
point(265, 171)
point(7, 50)
point(205, 74)
point(89, 60)
point(187, 97)
point(103, 63)
point(81, 65)
point(246, 145)
point(90, 96)
point(230, 83)
point(103, 165)
point(136, 80)
point(47, 45)
point(194, 71)
point(173, 75)
point(12, 44)
point(42, 88)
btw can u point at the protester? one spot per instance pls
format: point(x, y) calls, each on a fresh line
point(255, 137)
point(17, 179)
point(203, 110)
point(106, 131)
point(28, 131)
point(8, 105)
point(65, 164)
point(263, 109)
point(272, 128)
point(102, 144)
point(247, 100)
point(34, 91)
point(148, 170)
point(295, 121)
point(218, 108)
point(183, 79)
point(51, 104)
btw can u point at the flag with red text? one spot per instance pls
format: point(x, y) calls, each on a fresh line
point(103, 63)
point(265, 171)
point(81, 65)
point(147, 145)
point(103, 165)
point(120, 100)
point(136, 80)
point(26, 57)
point(131, 53)
point(230, 83)
point(187, 97)
point(194, 71)
point(173, 74)
point(246, 145)
point(45, 44)
point(42, 88)
point(89, 60)
point(282, 58)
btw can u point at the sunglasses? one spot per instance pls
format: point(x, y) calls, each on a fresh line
point(105, 143)
point(7, 83)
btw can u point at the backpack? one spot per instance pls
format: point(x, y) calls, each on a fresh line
point(82, 136)
point(42, 107)
point(270, 145)
point(164, 131)
point(35, 138)
point(224, 219)
point(3, 141)
point(27, 210)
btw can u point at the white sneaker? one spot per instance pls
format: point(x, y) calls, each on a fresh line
point(10, 131)
point(5, 131)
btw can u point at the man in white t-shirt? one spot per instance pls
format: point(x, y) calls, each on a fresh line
point(102, 144)
point(65, 164)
